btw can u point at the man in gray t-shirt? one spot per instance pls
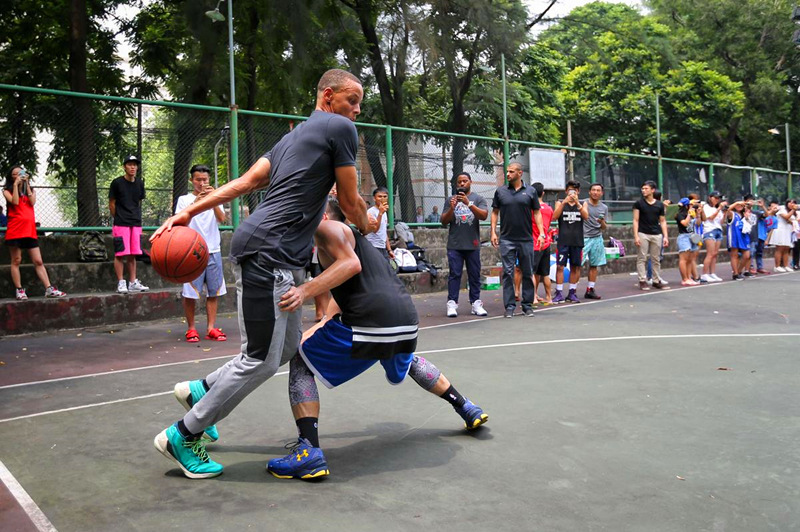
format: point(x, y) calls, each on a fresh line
point(270, 251)
point(462, 214)
point(594, 251)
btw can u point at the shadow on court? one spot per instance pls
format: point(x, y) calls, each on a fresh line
point(675, 410)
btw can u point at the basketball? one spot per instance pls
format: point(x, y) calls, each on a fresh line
point(179, 255)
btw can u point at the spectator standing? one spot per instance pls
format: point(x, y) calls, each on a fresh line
point(434, 217)
point(669, 209)
point(739, 239)
point(515, 204)
point(541, 248)
point(21, 233)
point(125, 197)
point(685, 219)
point(462, 216)
point(649, 234)
point(782, 235)
point(713, 213)
point(380, 238)
point(420, 215)
point(571, 215)
point(765, 225)
point(594, 250)
point(212, 279)
point(758, 214)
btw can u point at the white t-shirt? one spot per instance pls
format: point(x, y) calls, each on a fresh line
point(204, 223)
point(378, 239)
point(712, 223)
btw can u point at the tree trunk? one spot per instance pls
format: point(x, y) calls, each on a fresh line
point(190, 122)
point(83, 117)
point(392, 102)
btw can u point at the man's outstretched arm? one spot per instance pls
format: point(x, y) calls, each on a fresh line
point(335, 245)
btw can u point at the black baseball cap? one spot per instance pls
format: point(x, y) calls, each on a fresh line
point(130, 159)
point(714, 194)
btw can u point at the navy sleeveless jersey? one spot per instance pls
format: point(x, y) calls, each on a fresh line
point(376, 306)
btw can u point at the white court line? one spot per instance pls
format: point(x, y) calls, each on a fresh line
point(35, 514)
point(583, 303)
point(81, 407)
point(466, 348)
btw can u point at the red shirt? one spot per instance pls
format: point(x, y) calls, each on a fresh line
point(21, 220)
point(547, 216)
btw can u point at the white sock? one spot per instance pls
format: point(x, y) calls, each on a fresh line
point(559, 287)
point(591, 284)
point(573, 286)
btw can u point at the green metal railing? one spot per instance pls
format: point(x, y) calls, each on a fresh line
point(416, 165)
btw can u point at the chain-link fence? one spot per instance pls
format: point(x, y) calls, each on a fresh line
point(74, 146)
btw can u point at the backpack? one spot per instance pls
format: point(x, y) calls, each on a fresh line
point(613, 242)
point(406, 262)
point(92, 247)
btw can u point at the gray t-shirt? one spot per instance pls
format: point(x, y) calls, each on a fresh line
point(465, 231)
point(303, 163)
point(591, 225)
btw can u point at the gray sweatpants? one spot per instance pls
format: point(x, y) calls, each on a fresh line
point(270, 338)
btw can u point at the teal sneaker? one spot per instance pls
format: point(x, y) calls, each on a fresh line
point(472, 414)
point(188, 393)
point(191, 456)
point(305, 462)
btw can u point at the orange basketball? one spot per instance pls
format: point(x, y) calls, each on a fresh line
point(179, 255)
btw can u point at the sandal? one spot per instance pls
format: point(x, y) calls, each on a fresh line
point(192, 336)
point(217, 335)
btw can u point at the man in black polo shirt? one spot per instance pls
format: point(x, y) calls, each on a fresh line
point(270, 251)
point(649, 234)
point(515, 203)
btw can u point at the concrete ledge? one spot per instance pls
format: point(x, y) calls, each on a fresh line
point(88, 310)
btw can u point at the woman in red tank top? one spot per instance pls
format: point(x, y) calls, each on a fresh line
point(21, 231)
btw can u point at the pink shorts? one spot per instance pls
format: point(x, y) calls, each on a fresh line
point(127, 240)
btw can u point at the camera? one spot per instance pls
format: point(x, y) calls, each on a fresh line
point(461, 190)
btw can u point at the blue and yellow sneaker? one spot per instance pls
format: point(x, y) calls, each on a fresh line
point(191, 456)
point(188, 393)
point(304, 462)
point(473, 414)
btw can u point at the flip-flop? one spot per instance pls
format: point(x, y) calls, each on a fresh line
point(216, 335)
point(192, 336)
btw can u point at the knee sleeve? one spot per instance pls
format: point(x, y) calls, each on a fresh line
point(302, 386)
point(424, 372)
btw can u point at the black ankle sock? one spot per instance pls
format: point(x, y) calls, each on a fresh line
point(205, 385)
point(453, 397)
point(185, 432)
point(308, 428)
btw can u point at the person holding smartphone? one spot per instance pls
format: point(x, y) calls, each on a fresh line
point(463, 214)
point(380, 238)
point(594, 250)
point(21, 233)
point(571, 215)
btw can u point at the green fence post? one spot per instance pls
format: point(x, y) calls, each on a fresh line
point(389, 174)
point(711, 177)
point(506, 157)
point(592, 169)
point(234, 162)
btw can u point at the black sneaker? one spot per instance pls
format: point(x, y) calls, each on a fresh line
point(508, 314)
point(529, 312)
point(591, 294)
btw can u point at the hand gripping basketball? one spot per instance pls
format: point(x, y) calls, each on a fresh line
point(179, 255)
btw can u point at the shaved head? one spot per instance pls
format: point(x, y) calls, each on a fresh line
point(336, 79)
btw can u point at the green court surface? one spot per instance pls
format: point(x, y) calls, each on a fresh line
point(670, 411)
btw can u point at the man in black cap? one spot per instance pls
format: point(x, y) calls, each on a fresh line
point(125, 197)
